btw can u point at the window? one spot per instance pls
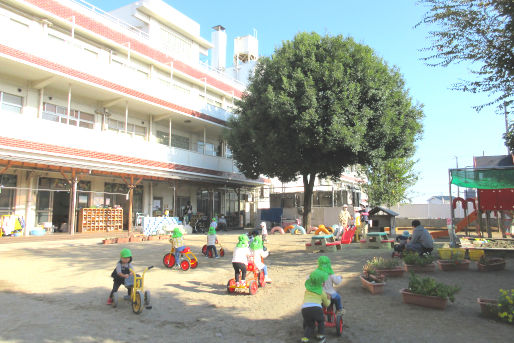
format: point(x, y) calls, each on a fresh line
point(163, 137)
point(209, 148)
point(202, 202)
point(228, 152)
point(180, 142)
point(7, 195)
point(59, 114)
point(119, 126)
point(11, 102)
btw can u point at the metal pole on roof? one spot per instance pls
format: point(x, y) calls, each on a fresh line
point(452, 214)
point(506, 122)
point(457, 165)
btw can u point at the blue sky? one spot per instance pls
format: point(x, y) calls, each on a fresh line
point(453, 130)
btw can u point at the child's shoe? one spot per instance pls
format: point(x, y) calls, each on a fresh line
point(237, 284)
point(304, 340)
point(341, 312)
point(267, 279)
point(242, 283)
point(321, 338)
point(217, 256)
point(126, 297)
point(109, 301)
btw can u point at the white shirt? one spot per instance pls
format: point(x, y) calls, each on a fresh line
point(328, 286)
point(211, 239)
point(264, 229)
point(241, 255)
point(258, 256)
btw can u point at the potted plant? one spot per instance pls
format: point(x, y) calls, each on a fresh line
point(135, 238)
point(123, 240)
point(108, 240)
point(455, 262)
point(387, 267)
point(502, 309)
point(372, 280)
point(415, 263)
point(428, 292)
point(487, 263)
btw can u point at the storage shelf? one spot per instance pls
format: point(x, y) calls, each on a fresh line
point(100, 219)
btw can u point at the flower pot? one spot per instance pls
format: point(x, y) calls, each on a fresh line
point(154, 238)
point(395, 272)
point(448, 265)
point(123, 240)
point(423, 300)
point(372, 287)
point(496, 264)
point(108, 241)
point(475, 254)
point(164, 236)
point(488, 307)
point(135, 239)
point(420, 268)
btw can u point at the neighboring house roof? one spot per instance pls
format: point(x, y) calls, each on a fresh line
point(492, 161)
point(440, 197)
point(377, 209)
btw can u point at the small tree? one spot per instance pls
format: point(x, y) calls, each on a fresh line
point(389, 180)
point(319, 104)
point(509, 138)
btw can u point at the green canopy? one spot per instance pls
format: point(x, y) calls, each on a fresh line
point(490, 178)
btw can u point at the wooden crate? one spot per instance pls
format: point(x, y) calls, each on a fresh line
point(100, 219)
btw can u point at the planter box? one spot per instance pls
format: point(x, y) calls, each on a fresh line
point(421, 268)
point(446, 265)
point(123, 240)
point(153, 238)
point(488, 308)
point(397, 272)
point(136, 239)
point(498, 264)
point(109, 241)
point(423, 300)
point(164, 236)
point(372, 287)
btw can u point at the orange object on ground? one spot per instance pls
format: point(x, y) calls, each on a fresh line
point(287, 228)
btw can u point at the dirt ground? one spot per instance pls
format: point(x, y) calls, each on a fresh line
point(56, 291)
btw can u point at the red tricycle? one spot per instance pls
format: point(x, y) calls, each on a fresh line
point(221, 251)
point(332, 318)
point(188, 259)
point(254, 280)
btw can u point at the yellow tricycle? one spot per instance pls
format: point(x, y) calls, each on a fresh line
point(138, 296)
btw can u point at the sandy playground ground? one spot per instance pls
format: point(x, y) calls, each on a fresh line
point(56, 291)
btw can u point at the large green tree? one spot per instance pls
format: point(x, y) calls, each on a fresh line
point(317, 105)
point(389, 180)
point(476, 31)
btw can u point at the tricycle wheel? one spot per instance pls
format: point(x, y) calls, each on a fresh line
point(253, 287)
point(115, 299)
point(169, 260)
point(204, 250)
point(184, 265)
point(137, 304)
point(209, 254)
point(222, 252)
point(339, 325)
point(230, 286)
point(147, 300)
point(194, 263)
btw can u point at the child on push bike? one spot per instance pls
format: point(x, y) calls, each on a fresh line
point(312, 311)
point(177, 241)
point(121, 273)
point(328, 286)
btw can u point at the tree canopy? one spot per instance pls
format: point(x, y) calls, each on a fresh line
point(317, 105)
point(389, 180)
point(478, 31)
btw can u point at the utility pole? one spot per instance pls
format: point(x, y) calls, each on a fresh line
point(457, 165)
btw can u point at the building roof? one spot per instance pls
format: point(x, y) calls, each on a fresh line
point(377, 209)
point(440, 197)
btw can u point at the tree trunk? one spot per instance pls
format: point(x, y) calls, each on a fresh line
point(308, 186)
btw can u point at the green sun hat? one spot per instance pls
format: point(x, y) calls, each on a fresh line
point(325, 265)
point(177, 233)
point(256, 243)
point(212, 231)
point(125, 253)
point(242, 241)
point(315, 281)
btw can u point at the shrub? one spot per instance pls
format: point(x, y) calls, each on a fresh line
point(488, 260)
point(382, 263)
point(506, 306)
point(429, 286)
point(414, 258)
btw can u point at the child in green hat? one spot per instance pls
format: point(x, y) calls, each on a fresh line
point(121, 273)
point(312, 311)
point(259, 255)
point(177, 242)
point(240, 260)
point(325, 265)
point(211, 241)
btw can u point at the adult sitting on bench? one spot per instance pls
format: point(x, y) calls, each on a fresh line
point(421, 241)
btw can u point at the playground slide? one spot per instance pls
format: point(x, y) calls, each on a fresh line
point(460, 225)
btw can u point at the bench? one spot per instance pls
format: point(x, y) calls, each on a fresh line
point(323, 243)
point(377, 240)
